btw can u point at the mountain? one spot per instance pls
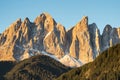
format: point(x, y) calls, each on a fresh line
point(85, 43)
point(38, 67)
point(105, 67)
point(110, 37)
point(81, 40)
point(79, 45)
point(95, 39)
point(23, 39)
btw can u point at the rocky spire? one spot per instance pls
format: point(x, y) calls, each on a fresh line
point(107, 29)
point(18, 21)
point(106, 36)
point(81, 40)
point(40, 19)
point(95, 39)
point(26, 20)
point(46, 21)
point(83, 24)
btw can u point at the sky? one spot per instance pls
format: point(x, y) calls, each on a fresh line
point(66, 12)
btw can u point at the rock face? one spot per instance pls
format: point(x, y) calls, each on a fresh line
point(82, 42)
point(95, 39)
point(24, 39)
point(55, 41)
point(110, 37)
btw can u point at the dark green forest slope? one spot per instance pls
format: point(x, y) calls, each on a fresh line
point(105, 67)
point(5, 66)
point(39, 67)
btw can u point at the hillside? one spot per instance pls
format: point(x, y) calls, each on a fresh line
point(39, 67)
point(5, 66)
point(105, 67)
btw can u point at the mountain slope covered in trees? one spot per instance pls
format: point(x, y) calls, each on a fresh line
point(105, 67)
point(39, 67)
point(5, 66)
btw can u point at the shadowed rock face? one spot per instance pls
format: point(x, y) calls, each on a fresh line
point(95, 39)
point(83, 42)
point(106, 36)
point(110, 37)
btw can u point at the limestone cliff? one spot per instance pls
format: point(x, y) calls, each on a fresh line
point(81, 44)
point(24, 39)
point(81, 47)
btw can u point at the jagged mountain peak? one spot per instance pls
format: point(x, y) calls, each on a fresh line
point(26, 38)
point(46, 21)
point(93, 25)
point(40, 19)
point(82, 25)
point(47, 14)
point(94, 29)
point(95, 39)
point(43, 17)
point(107, 28)
point(17, 24)
point(18, 20)
point(26, 20)
point(85, 18)
point(82, 42)
point(107, 31)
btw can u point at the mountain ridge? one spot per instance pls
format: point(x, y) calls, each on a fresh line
point(83, 42)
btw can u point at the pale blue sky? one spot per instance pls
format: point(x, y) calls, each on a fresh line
point(66, 12)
